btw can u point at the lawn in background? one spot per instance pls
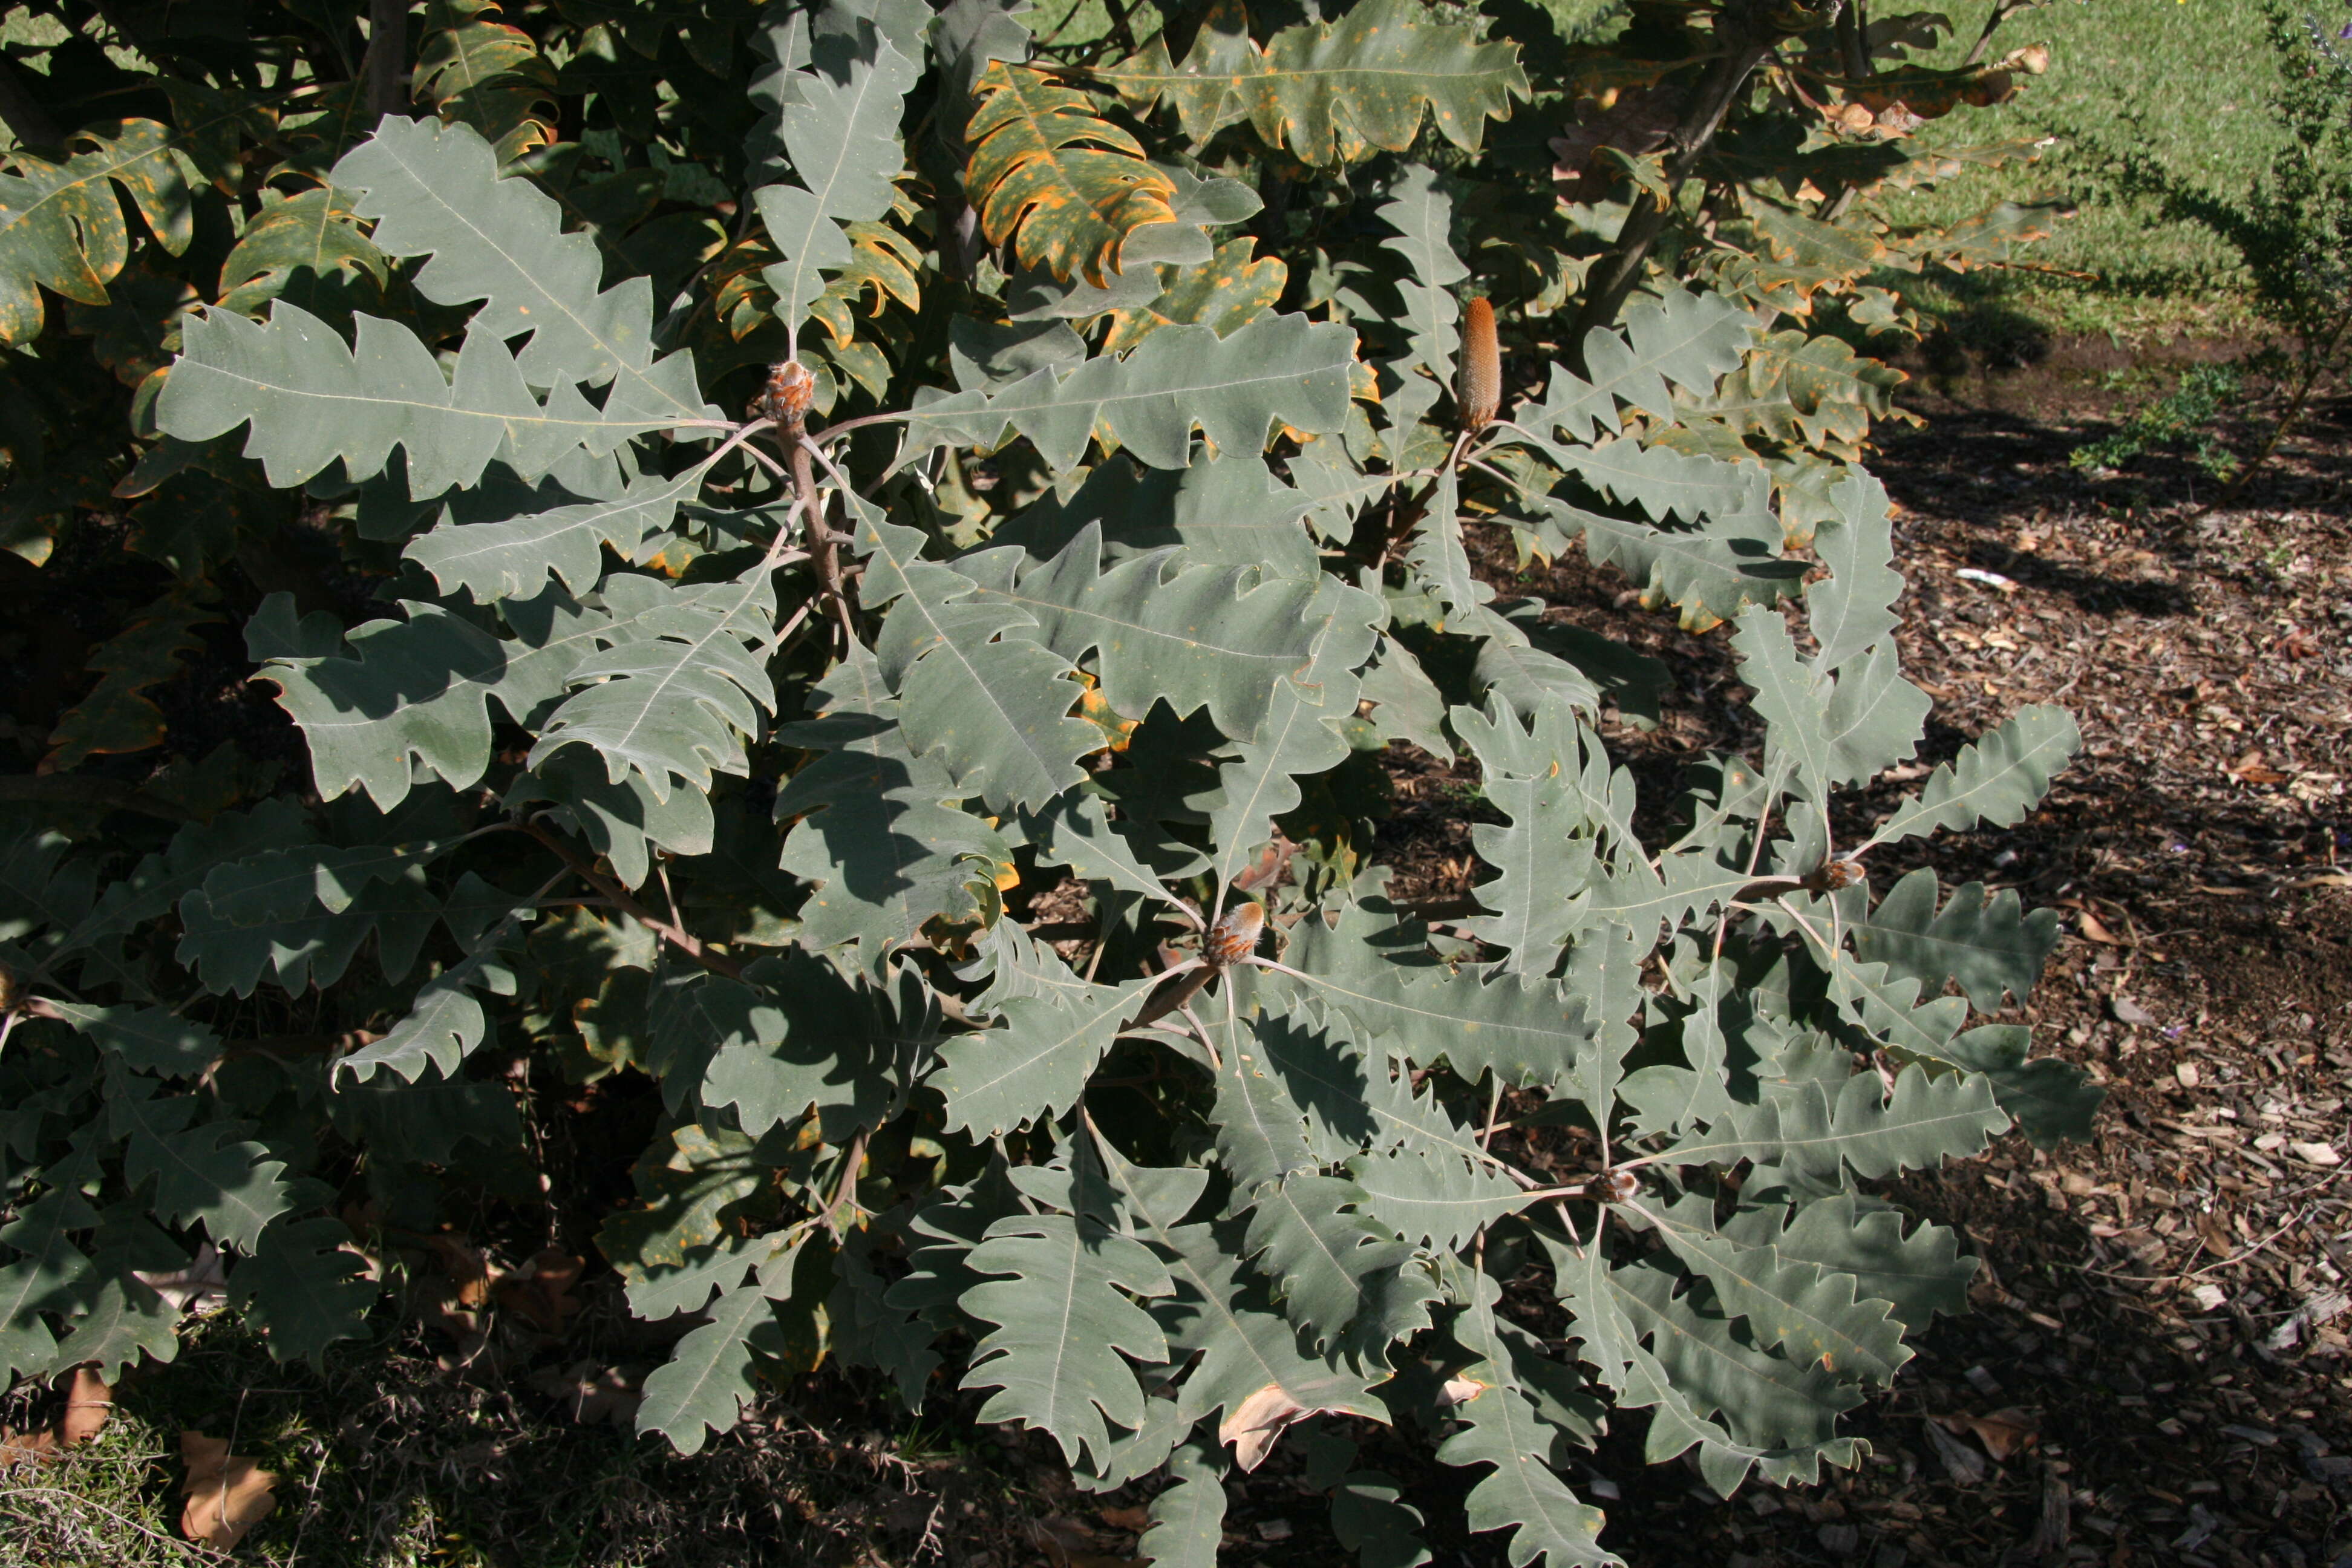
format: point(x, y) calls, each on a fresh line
point(2187, 81)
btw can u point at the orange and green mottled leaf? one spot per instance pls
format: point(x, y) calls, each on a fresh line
point(61, 227)
point(304, 249)
point(1332, 92)
point(1067, 188)
point(487, 74)
point(886, 261)
point(1229, 293)
point(116, 717)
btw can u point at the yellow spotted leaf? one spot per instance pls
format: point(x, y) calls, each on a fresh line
point(1066, 187)
point(1229, 293)
point(61, 227)
point(487, 74)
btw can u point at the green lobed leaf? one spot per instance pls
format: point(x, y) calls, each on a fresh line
point(435, 190)
point(1810, 1313)
point(305, 1287)
point(1188, 1515)
point(1035, 1064)
point(1921, 1274)
point(882, 839)
point(1987, 943)
point(206, 1172)
point(1344, 1278)
point(1996, 780)
point(1162, 628)
point(1066, 1337)
point(839, 123)
point(1331, 92)
point(1233, 389)
point(1925, 1122)
point(1521, 1493)
point(707, 1380)
point(678, 686)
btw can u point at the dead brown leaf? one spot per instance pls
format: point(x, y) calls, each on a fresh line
point(590, 1393)
point(541, 1290)
point(1134, 1517)
point(2002, 1433)
point(1257, 1423)
point(227, 1493)
point(2091, 927)
point(466, 1270)
point(2214, 1232)
point(26, 1448)
point(1460, 1391)
point(87, 1405)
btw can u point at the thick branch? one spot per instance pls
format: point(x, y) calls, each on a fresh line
point(627, 904)
point(387, 54)
point(1747, 41)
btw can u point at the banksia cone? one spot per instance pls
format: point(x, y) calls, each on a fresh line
point(1481, 389)
point(1234, 938)
point(786, 398)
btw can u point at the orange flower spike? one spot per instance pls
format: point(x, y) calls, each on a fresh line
point(1480, 392)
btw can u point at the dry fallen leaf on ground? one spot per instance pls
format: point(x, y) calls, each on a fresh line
point(541, 1290)
point(87, 1405)
point(466, 1271)
point(1135, 1517)
point(200, 1287)
point(590, 1394)
point(2002, 1433)
point(227, 1493)
point(25, 1449)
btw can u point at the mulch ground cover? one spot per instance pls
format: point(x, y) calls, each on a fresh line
point(2157, 1372)
point(2159, 1369)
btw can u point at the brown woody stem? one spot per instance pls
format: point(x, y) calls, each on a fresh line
point(791, 431)
point(1748, 40)
point(387, 52)
point(627, 904)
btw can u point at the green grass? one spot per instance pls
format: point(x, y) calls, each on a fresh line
point(2188, 81)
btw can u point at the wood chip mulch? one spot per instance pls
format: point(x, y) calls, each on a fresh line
point(2157, 1370)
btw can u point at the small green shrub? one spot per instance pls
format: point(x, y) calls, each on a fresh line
point(2184, 416)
